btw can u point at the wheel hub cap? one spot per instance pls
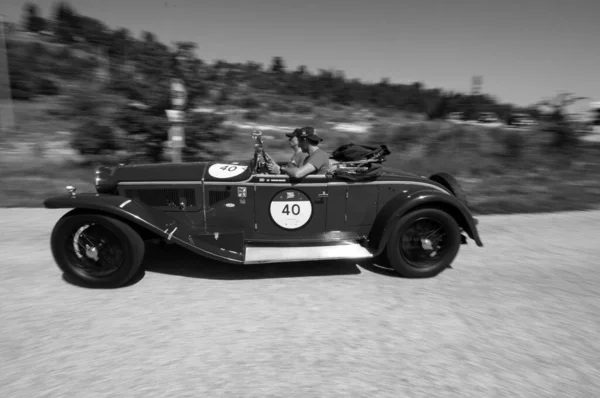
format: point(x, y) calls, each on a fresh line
point(91, 252)
point(426, 244)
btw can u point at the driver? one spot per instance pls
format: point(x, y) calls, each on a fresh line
point(297, 158)
point(317, 161)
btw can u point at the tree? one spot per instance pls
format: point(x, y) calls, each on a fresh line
point(436, 107)
point(93, 138)
point(146, 132)
point(301, 71)
point(565, 137)
point(417, 86)
point(203, 133)
point(120, 45)
point(153, 58)
point(93, 32)
point(186, 66)
point(278, 65)
point(556, 107)
point(184, 59)
point(65, 22)
point(31, 19)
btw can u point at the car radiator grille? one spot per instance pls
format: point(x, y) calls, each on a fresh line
point(163, 197)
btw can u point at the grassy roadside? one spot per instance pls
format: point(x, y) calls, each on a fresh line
point(27, 182)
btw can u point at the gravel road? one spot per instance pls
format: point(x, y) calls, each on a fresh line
point(517, 318)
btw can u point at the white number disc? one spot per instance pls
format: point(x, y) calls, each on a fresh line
point(291, 209)
point(222, 170)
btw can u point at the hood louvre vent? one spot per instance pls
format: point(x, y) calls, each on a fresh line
point(216, 195)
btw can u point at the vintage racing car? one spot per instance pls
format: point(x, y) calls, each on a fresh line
point(238, 213)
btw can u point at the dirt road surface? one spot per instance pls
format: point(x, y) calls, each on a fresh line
point(517, 318)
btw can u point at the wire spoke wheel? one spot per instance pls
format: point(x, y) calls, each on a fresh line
point(96, 251)
point(423, 243)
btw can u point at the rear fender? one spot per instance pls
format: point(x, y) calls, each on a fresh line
point(403, 203)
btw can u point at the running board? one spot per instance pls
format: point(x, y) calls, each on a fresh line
point(271, 254)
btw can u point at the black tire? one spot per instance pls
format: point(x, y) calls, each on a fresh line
point(399, 260)
point(119, 238)
point(452, 184)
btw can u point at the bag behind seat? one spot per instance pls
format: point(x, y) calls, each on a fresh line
point(369, 172)
point(354, 152)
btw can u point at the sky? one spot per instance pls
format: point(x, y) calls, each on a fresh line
point(525, 50)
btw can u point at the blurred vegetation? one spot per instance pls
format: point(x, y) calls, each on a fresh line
point(110, 90)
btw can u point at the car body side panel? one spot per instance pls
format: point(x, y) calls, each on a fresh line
point(336, 208)
point(224, 208)
point(229, 244)
point(289, 208)
point(361, 206)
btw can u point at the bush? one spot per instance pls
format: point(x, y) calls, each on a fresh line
point(564, 138)
point(322, 102)
point(379, 134)
point(21, 84)
point(47, 87)
point(514, 144)
point(279, 107)
point(248, 103)
point(147, 132)
point(92, 138)
point(303, 109)
point(409, 134)
point(21, 94)
point(252, 116)
point(203, 134)
point(81, 103)
point(125, 84)
point(223, 97)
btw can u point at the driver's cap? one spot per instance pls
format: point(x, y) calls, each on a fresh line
point(310, 134)
point(295, 133)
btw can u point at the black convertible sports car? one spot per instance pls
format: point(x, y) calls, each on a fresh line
point(238, 213)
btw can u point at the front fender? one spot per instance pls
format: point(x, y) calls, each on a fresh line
point(149, 219)
point(119, 206)
point(402, 203)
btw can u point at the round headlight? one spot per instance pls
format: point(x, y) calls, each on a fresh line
point(103, 180)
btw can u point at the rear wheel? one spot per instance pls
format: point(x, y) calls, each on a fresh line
point(423, 243)
point(96, 250)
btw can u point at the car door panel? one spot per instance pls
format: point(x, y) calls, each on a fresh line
point(289, 208)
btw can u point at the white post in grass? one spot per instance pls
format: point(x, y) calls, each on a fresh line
point(7, 116)
point(177, 118)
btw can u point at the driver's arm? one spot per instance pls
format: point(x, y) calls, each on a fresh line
point(275, 168)
point(299, 172)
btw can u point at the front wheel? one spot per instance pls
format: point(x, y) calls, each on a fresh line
point(423, 243)
point(96, 250)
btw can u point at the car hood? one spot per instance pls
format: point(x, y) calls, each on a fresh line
point(192, 171)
